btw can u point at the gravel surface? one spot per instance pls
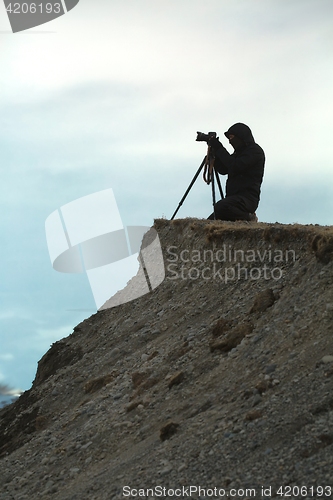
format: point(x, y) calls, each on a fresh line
point(214, 385)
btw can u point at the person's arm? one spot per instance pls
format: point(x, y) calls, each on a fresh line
point(220, 166)
point(238, 164)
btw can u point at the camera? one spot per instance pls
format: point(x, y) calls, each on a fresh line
point(205, 137)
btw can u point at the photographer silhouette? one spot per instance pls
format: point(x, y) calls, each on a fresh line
point(245, 170)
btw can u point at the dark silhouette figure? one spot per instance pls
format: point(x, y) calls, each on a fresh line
point(245, 170)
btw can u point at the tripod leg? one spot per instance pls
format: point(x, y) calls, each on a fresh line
point(213, 194)
point(189, 188)
point(218, 180)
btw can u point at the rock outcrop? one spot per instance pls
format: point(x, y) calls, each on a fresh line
point(220, 378)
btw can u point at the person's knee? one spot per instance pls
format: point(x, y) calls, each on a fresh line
point(225, 210)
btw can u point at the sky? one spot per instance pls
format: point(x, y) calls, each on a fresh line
point(111, 95)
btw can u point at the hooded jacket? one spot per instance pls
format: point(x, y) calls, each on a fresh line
point(245, 166)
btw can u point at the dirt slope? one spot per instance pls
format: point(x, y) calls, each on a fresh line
point(221, 378)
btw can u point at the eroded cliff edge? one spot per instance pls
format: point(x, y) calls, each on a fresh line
point(221, 376)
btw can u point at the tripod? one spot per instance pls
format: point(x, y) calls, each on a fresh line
point(209, 176)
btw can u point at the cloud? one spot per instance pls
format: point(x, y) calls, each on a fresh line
point(288, 203)
point(53, 334)
point(6, 357)
point(169, 43)
point(140, 89)
point(6, 315)
point(5, 390)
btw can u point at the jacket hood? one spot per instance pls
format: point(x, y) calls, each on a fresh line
point(241, 131)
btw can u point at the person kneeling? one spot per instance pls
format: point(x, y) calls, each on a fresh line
point(245, 170)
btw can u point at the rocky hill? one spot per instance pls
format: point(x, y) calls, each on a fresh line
point(220, 379)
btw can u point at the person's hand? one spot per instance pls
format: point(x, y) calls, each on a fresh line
point(214, 142)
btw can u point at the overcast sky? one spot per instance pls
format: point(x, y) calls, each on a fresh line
point(111, 95)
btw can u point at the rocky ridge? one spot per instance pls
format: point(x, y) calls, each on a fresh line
point(220, 378)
